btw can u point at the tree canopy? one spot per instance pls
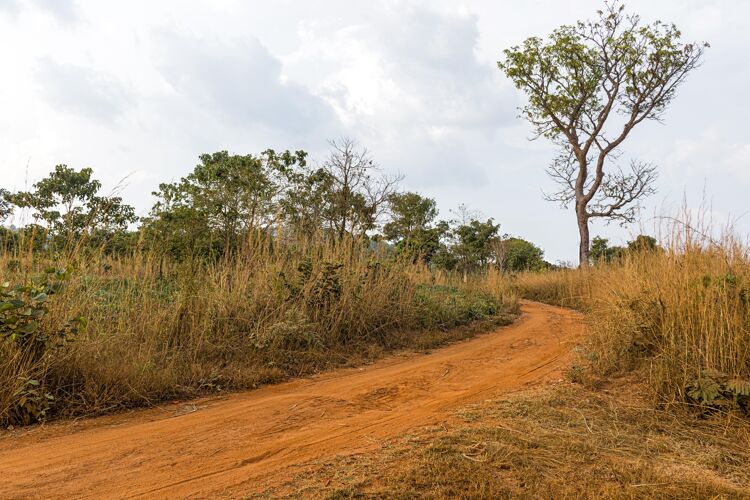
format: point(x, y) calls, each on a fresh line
point(67, 202)
point(517, 254)
point(588, 86)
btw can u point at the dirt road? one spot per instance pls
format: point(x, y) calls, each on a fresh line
point(243, 443)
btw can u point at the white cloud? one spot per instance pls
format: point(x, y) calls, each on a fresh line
point(239, 79)
point(77, 89)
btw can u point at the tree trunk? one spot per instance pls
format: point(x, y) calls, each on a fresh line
point(583, 231)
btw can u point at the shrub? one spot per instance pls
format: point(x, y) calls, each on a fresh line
point(30, 344)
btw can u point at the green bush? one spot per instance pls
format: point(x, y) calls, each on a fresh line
point(29, 343)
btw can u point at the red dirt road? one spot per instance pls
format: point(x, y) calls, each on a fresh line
point(247, 442)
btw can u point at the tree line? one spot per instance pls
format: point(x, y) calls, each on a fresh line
point(230, 200)
point(588, 86)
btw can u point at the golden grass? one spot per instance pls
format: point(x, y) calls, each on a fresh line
point(557, 441)
point(679, 313)
point(158, 331)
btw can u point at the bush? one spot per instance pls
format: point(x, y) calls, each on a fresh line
point(31, 345)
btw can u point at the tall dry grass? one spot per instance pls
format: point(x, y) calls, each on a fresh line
point(158, 330)
point(682, 313)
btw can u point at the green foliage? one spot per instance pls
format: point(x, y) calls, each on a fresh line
point(517, 254)
point(444, 259)
point(22, 310)
point(32, 404)
point(473, 247)
point(642, 243)
point(68, 203)
point(5, 206)
point(570, 77)
point(306, 203)
point(581, 79)
point(410, 212)
point(326, 289)
point(221, 200)
point(602, 252)
point(445, 307)
point(716, 389)
point(31, 237)
point(412, 226)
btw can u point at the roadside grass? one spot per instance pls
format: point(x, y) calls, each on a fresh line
point(556, 441)
point(679, 315)
point(158, 332)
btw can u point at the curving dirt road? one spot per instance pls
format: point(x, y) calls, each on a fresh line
point(243, 443)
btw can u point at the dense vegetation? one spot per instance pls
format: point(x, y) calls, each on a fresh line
point(155, 331)
point(248, 270)
point(252, 269)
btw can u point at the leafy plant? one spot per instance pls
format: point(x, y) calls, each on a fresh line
point(294, 332)
point(33, 402)
point(714, 388)
point(22, 308)
point(326, 288)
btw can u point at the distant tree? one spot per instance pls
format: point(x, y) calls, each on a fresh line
point(463, 215)
point(444, 258)
point(642, 243)
point(602, 252)
point(599, 249)
point(176, 229)
point(473, 244)
point(305, 203)
point(223, 198)
point(68, 203)
point(412, 226)
point(517, 254)
point(578, 83)
point(410, 212)
point(358, 191)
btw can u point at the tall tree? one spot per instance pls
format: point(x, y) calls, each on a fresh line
point(473, 245)
point(410, 212)
point(588, 86)
point(306, 204)
point(359, 191)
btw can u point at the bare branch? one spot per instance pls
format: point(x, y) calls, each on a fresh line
point(620, 191)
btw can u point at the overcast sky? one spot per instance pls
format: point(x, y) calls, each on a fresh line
point(141, 88)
